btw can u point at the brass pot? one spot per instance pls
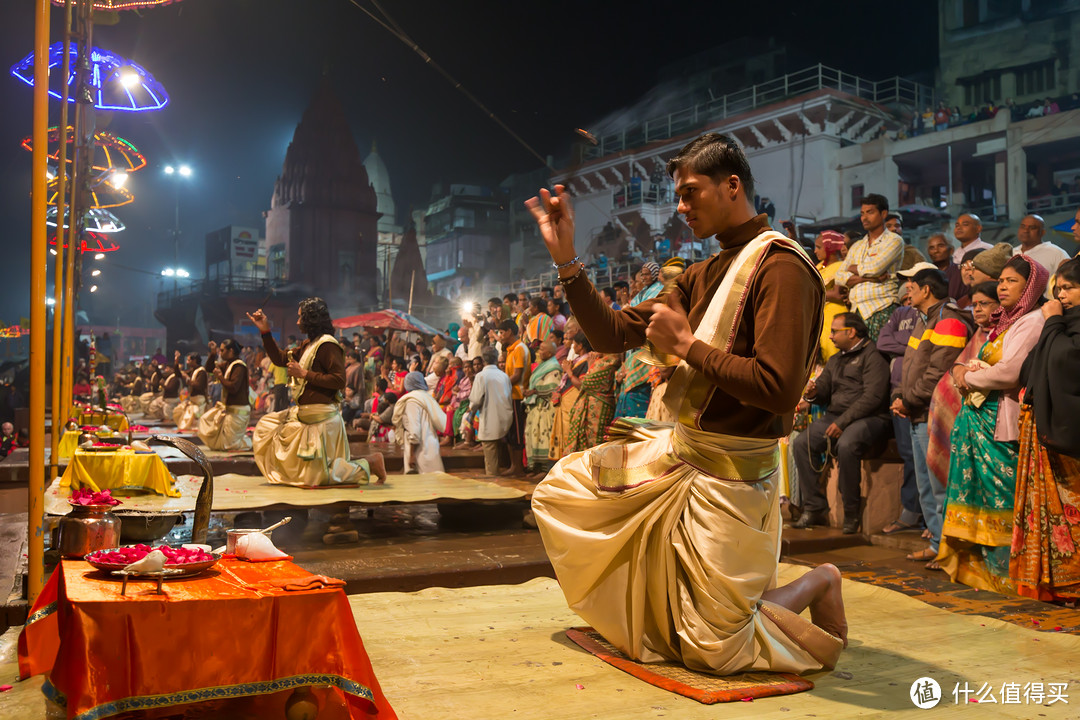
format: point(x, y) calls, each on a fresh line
point(88, 528)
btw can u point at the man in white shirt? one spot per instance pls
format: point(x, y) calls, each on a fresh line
point(463, 342)
point(968, 231)
point(490, 397)
point(1030, 233)
point(869, 270)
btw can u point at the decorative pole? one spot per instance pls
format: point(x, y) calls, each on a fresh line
point(38, 269)
point(59, 418)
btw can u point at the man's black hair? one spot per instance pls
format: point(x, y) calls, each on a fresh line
point(894, 216)
point(509, 326)
point(853, 321)
point(621, 284)
point(717, 156)
point(934, 280)
point(877, 201)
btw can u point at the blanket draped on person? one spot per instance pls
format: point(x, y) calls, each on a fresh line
point(539, 412)
point(224, 427)
point(307, 444)
point(665, 540)
point(945, 404)
point(594, 408)
point(1044, 561)
point(418, 419)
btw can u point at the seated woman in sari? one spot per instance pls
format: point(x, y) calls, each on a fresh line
point(381, 428)
point(459, 405)
point(594, 408)
point(564, 398)
point(978, 526)
point(224, 426)
point(306, 445)
point(828, 248)
point(539, 412)
point(947, 400)
point(1045, 564)
point(417, 421)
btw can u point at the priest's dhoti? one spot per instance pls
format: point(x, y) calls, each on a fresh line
point(144, 402)
point(130, 403)
point(224, 427)
point(665, 541)
point(161, 408)
point(306, 445)
point(187, 413)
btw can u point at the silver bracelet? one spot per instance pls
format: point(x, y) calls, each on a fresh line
point(577, 259)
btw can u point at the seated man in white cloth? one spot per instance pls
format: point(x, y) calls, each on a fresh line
point(162, 406)
point(307, 444)
point(224, 426)
point(667, 540)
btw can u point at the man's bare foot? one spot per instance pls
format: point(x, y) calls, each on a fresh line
point(827, 607)
point(378, 467)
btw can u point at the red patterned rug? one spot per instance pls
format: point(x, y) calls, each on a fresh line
point(704, 688)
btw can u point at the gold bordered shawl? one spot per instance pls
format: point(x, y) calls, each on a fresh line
point(689, 391)
point(307, 359)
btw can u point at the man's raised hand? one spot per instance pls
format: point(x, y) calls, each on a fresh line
point(555, 217)
point(260, 321)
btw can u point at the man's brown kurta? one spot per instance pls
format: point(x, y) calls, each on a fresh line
point(758, 384)
point(327, 374)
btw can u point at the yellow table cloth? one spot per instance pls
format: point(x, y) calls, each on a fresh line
point(122, 468)
point(117, 421)
point(68, 443)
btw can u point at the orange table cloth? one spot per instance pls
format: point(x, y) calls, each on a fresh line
point(225, 634)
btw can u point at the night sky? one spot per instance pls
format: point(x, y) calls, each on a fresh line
point(241, 72)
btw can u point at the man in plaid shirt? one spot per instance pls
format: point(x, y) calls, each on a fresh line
point(870, 269)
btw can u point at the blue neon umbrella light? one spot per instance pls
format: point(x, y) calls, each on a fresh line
point(115, 83)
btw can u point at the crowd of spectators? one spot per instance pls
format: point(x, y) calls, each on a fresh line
point(943, 116)
point(961, 357)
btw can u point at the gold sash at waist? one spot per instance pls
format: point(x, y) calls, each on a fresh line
point(726, 456)
point(314, 413)
point(651, 451)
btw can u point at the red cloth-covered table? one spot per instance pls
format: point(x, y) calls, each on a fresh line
point(228, 633)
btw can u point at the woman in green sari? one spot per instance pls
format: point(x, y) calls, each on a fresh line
point(539, 412)
point(978, 526)
point(594, 409)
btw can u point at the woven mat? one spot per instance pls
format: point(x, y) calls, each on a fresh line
point(704, 688)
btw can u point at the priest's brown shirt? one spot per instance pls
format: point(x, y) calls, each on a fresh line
point(327, 374)
point(759, 383)
point(234, 386)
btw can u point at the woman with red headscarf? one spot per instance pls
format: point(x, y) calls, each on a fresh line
point(978, 527)
point(829, 248)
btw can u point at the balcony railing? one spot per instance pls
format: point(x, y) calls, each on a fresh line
point(812, 79)
point(214, 286)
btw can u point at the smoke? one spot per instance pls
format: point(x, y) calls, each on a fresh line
point(667, 97)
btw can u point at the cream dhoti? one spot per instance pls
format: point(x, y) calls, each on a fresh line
point(224, 427)
point(306, 445)
point(665, 541)
point(144, 402)
point(161, 408)
point(130, 403)
point(186, 414)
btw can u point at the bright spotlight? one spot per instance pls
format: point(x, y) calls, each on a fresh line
point(169, 169)
point(468, 308)
point(185, 170)
point(118, 178)
point(93, 288)
point(182, 273)
point(99, 256)
point(168, 272)
point(50, 301)
point(52, 251)
point(95, 273)
point(129, 78)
